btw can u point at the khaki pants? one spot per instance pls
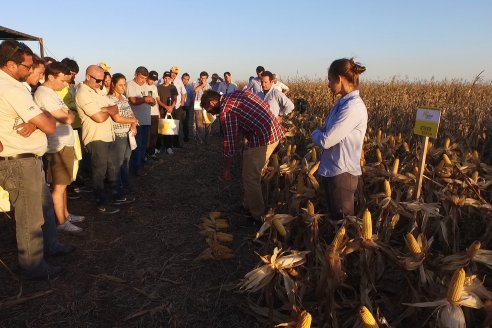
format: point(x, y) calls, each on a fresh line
point(254, 159)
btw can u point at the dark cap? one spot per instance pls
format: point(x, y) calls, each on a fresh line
point(260, 69)
point(153, 76)
point(215, 76)
point(142, 70)
point(166, 74)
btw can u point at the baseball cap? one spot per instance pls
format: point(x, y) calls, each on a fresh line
point(174, 69)
point(166, 74)
point(153, 76)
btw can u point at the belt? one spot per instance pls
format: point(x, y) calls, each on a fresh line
point(25, 155)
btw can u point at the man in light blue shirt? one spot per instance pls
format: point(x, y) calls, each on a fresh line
point(280, 105)
point(254, 84)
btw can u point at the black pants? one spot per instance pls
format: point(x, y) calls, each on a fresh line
point(102, 168)
point(188, 111)
point(340, 191)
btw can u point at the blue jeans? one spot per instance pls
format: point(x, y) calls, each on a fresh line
point(23, 179)
point(120, 155)
point(142, 138)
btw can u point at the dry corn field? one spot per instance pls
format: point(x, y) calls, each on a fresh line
point(400, 262)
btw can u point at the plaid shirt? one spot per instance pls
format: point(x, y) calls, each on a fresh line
point(245, 112)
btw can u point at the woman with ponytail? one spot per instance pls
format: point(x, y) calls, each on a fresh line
point(341, 138)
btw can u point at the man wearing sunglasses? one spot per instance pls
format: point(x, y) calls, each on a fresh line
point(21, 171)
point(97, 133)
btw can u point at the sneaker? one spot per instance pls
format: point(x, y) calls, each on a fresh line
point(107, 209)
point(83, 189)
point(169, 151)
point(75, 218)
point(157, 151)
point(124, 200)
point(69, 227)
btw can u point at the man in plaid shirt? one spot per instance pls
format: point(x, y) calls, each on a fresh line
point(243, 111)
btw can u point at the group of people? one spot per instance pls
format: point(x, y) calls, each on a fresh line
point(111, 126)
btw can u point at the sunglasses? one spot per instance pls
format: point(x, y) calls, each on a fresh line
point(28, 67)
point(97, 80)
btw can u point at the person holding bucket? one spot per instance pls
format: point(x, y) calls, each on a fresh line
point(167, 100)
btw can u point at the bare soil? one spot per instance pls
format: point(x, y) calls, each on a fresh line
point(136, 268)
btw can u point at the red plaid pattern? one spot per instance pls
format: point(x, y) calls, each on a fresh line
point(245, 112)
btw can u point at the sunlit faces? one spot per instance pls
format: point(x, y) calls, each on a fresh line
point(167, 80)
point(58, 82)
point(227, 78)
point(107, 81)
point(266, 84)
point(140, 79)
point(120, 86)
point(185, 79)
point(24, 69)
point(36, 75)
point(203, 79)
point(95, 78)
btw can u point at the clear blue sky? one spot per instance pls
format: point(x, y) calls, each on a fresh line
point(409, 39)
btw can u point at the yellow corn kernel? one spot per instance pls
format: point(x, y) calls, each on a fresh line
point(475, 176)
point(455, 287)
point(304, 320)
point(473, 249)
point(387, 188)
point(314, 155)
point(447, 142)
point(289, 150)
point(412, 244)
point(379, 156)
point(279, 226)
point(476, 157)
point(310, 207)
point(314, 168)
point(338, 238)
point(367, 318)
point(446, 159)
point(406, 147)
point(396, 165)
point(366, 225)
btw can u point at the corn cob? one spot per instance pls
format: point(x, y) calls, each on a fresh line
point(475, 176)
point(214, 215)
point(310, 207)
point(294, 147)
point(412, 244)
point(338, 238)
point(398, 138)
point(366, 225)
point(304, 320)
point(396, 164)
point(429, 146)
point(314, 155)
point(392, 141)
point(314, 168)
point(406, 147)
point(379, 136)
point(289, 150)
point(379, 156)
point(473, 249)
point(476, 157)
point(446, 159)
point(367, 318)
point(456, 285)
point(387, 188)
point(279, 226)
point(224, 237)
point(447, 142)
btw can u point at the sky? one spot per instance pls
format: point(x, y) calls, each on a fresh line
point(410, 40)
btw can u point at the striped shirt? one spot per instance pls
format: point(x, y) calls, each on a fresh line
point(245, 112)
point(124, 109)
